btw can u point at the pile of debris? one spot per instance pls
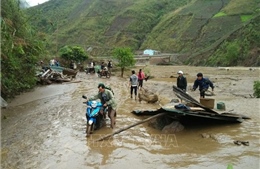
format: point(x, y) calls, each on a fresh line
point(187, 110)
point(56, 75)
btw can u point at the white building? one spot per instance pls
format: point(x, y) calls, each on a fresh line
point(150, 52)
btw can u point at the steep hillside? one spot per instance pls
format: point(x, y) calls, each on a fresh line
point(101, 24)
point(200, 25)
point(241, 48)
point(193, 27)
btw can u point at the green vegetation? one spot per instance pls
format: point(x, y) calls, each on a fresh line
point(236, 7)
point(245, 18)
point(20, 50)
point(124, 57)
point(73, 54)
point(257, 89)
point(192, 27)
point(239, 51)
point(102, 25)
point(220, 14)
point(230, 54)
point(230, 166)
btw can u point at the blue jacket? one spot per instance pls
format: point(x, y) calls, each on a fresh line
point(204, 83)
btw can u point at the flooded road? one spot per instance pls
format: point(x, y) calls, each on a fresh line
point(45, 128)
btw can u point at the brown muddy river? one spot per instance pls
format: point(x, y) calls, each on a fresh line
point(45, 128)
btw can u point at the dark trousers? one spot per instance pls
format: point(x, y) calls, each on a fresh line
point(202, 92)
point(140, 83)
point(133, 88)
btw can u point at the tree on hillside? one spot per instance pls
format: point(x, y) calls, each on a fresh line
point(125, 58)
point(21, 48)
point(73, 53)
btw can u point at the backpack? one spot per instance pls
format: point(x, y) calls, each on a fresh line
point(109, 88)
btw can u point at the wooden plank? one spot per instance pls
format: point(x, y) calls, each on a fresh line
point(196, 108)
point(130, 126)
point(188, 98)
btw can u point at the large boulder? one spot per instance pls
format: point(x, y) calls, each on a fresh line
point(147, 96)
point(174, 127)
point(160, 122)
point(166, 124)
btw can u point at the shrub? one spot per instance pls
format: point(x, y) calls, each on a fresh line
point(232, 51)
point(257, 89)
point(245, 18)
point(220, 14)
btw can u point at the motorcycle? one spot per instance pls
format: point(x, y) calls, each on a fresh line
point(95, 119)
point(105, 72)
point(90, 71)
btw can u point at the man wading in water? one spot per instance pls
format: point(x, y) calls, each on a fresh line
point(107, 99)
point(133, 83)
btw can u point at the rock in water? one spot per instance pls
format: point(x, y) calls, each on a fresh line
point(147, 96)
point(205, 135)
point(160, 122)
point(174, 127)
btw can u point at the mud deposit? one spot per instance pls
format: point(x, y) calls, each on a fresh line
point(45, 128)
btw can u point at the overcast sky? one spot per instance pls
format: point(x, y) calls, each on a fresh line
point(35, 2)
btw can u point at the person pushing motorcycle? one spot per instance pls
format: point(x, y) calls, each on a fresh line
point(107, 99)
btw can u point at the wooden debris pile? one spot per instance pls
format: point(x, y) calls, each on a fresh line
point(51, 75)
point(186, 97)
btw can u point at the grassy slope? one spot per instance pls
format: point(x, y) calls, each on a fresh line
point(198, 29)
point(192, 26)
point(239, 45)
point(104, 23)
point(241, 48)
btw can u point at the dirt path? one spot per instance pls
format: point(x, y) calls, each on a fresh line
point(45, 128)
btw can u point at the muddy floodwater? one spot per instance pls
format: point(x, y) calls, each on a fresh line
point(45, 128)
